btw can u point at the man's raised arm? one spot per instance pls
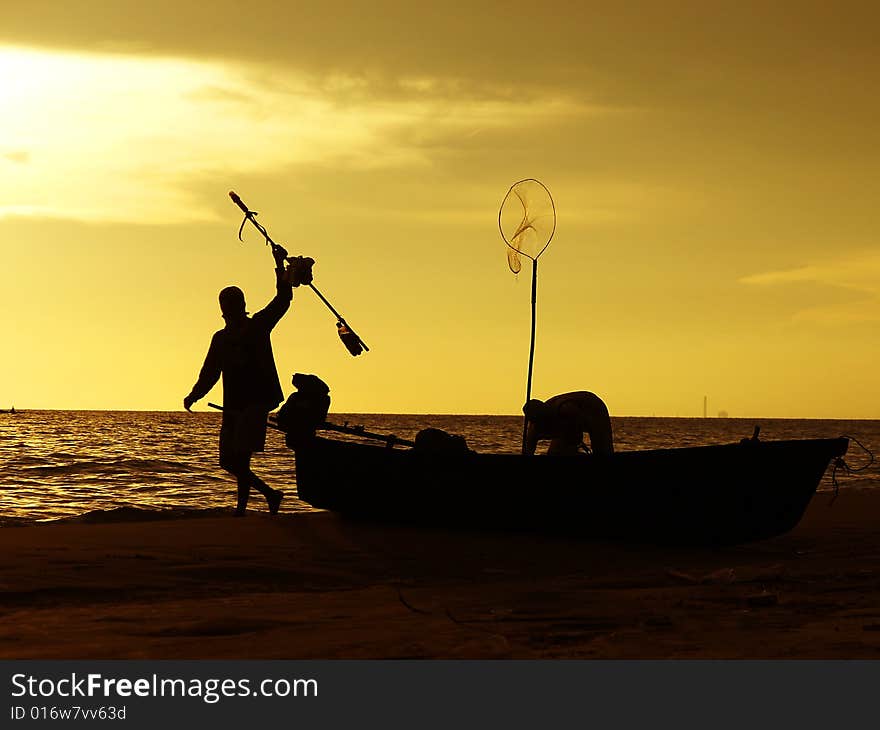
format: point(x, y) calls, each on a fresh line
point(275, 310)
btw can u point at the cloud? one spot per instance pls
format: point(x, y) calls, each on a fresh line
point(123, 138)
point(857, 273)
point(517, 40)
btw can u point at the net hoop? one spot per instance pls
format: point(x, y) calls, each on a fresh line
point(514, 252)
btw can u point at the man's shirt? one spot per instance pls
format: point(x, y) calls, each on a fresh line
point(242, 353)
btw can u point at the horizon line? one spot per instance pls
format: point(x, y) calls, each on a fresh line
point(429, 414)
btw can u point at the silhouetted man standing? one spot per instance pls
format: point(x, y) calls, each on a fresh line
point(242, 353)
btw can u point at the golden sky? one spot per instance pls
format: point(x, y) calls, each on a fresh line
point(714, 168)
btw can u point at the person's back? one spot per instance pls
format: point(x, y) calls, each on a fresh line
point(564, 419)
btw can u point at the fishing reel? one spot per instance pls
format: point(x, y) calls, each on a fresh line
point(299, 270)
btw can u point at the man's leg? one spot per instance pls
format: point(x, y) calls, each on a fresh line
point(238, 465)
point(243, 433)
point(247, 479)
point(254, 433)
point(233, 459)
point(242, 477)
point(273, 496)
point(261, 486)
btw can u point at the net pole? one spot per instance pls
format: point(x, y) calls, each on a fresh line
point(531, 350)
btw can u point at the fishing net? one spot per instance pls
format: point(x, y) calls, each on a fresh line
point(527, 221)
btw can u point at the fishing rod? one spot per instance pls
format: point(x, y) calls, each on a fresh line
point(302, 271)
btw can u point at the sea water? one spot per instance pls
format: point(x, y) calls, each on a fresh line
point(116, 465)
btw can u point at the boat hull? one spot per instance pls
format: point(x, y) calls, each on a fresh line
point(703, 495)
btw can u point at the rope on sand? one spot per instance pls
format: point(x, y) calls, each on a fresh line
point(448, 614)
point(409, 605)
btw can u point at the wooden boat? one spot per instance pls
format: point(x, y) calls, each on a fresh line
point(701, 495)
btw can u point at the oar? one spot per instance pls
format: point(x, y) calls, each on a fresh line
point(388, 438)
point(268, 423)
point(349, 337)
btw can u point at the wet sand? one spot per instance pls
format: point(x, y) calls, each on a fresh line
point(317, 586)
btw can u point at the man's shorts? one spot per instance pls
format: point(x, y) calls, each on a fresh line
point(243, 431)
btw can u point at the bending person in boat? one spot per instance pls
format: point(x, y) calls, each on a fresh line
point(242, 353)
point(564, 419)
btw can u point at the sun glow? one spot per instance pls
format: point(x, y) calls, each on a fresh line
point(87, 138)
point(128, 139)
point(118, 139)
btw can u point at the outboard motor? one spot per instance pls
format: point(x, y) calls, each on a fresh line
point(305, 410)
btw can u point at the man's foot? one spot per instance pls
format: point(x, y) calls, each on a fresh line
point(274, 501)
point(238, 513)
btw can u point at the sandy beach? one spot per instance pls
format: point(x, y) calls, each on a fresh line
point(317, 586)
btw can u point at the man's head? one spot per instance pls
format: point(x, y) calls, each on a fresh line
point(535, 410)
point(232, 303)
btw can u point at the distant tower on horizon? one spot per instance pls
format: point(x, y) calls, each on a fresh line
point(705, 405)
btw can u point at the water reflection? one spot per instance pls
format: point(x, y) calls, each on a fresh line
point(56, 464)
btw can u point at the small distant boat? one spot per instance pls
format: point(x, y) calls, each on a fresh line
point(11, 411)
point(706, 495)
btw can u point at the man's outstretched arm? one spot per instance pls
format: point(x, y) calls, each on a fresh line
point(208, 375)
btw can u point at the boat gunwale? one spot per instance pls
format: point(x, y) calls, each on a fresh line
point(841, 444)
